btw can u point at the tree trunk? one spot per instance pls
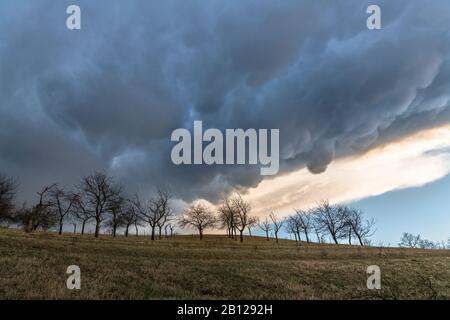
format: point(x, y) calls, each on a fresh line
point(97, 228)
point(60, 227)
point(267, 235)
point(307, 238)
point(334, 239)
point(241, 235)
point(137, 230)
point(114, 232)
point(250, 232)
point(82, 227)
point(201, 234)
point(360, 240)
point(276, 237)
point(153, 233)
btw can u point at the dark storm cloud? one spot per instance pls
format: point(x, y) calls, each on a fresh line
point(108, 97)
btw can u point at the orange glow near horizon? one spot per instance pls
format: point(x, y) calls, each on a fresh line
point(410, 162)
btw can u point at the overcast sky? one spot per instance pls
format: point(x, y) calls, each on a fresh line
point(360, 112)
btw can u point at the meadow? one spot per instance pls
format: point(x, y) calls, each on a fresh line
point(33, 266)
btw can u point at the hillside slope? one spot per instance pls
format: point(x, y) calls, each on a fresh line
point(33, 266)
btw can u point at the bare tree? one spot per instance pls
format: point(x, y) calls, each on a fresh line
point(305, 222)
point(42, 215)
point(349, 232)
point(8, 189)
point(116, 217)
point(99, 192)
point(200, 217)
point(360, 228)
point(143, 213)
point(252, 223)
point(409, 240)
point(166, 217)
point(427, 244)
point(129, 216)
point(227, 217)
point(292, 227)
point(277, 225)
point(80, 211)
point(62, 203)
point(331, 219)
point(266, 226)
point(441, 245)
point(154, 211)
point(241, 210)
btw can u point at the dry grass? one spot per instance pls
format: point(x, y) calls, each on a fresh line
point(33, 266)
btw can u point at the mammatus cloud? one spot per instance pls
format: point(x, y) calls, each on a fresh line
point(409, 162)
point(107, 97)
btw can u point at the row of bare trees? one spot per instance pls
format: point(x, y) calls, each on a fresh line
point(100, 201)
point(233, 215)
point(97, 200)
point(336, 222)
point(409, 240)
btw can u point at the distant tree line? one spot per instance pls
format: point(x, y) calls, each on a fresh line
point(409, 240)
point(100, 201)
point(333, 222)
point(325, 221)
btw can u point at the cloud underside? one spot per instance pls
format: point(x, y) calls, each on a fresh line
point(108, 97)
point(411, 162)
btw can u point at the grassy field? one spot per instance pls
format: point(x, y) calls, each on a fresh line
point(33, 266)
